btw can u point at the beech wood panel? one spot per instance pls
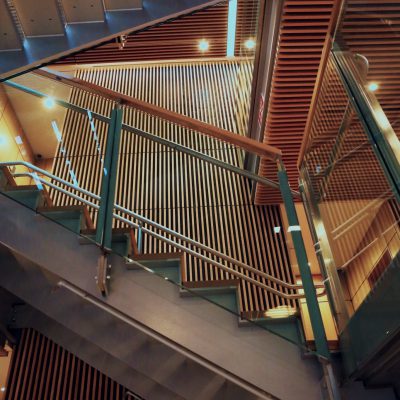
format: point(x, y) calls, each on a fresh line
point(179, 38)
point(305, 25)
point(372, 28)
point(43, 370)
point(195, 198)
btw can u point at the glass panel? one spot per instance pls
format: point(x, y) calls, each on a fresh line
point(354, 210)
point(373, 59)
point(183, 194)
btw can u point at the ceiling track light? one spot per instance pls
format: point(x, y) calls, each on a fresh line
point(250, 44)
point(204, 45)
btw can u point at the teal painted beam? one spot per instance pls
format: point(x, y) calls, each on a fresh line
point(117, 126)
point(321, 342)
point(101, 216)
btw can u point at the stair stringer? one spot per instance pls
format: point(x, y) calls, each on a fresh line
point(199, 330)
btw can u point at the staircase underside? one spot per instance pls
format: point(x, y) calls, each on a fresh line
point(151, 329)
point(42, 49)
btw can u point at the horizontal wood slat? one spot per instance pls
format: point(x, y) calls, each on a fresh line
point(372, 28)
point(197, 199)
point(178, 39)
point(305, 25)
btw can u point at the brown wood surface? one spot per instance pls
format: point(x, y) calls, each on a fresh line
point(43, 370)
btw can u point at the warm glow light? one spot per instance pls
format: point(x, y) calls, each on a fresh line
point(280, 312)
point(49, 102)
point(373, 86)
point(204, 45)
point(250, 44)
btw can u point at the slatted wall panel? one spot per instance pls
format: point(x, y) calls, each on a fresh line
point(359, 270)
point(197, 199)
point(372, 28)
point(178, 39)
point(304, 27)
point(42, 370)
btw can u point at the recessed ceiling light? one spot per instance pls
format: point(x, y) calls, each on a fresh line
point(204, 45)
point(49, 102)
point(250, 44)
point(373, 86)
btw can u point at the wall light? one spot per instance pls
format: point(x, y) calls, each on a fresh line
point(250, 44)
point(204, 45)
point(373, 86)
point(49, 102)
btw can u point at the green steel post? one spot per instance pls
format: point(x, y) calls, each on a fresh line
point(321, 343)
point(101, 216)
point(107, 237)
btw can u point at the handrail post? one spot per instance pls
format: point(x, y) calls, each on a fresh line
point(321, 342)
point(109, 179)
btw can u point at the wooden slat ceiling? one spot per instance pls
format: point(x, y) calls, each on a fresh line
point(304, 27)
point(178, 39)
point(372, 28)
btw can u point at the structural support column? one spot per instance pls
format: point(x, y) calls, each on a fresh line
point(109, 180)
point(321, 342)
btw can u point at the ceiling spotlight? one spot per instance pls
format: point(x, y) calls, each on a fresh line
point(373, 86)
point(204, 45)
point(250, 44)
point(49, 102)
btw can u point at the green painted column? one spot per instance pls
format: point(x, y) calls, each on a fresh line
point(109, 179)
point(321, 342)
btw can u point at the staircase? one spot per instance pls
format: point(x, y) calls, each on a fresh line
point(33, 33)
point(148, 334)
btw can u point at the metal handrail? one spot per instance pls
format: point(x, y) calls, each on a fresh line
point(169, 232)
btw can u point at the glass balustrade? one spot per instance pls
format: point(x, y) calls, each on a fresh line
point(186, 219)
point(348, 176)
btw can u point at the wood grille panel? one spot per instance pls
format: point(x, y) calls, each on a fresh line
point(372, 28)
point(178, 38)
point(43, 370)
point(304, 28)
point(200, 200)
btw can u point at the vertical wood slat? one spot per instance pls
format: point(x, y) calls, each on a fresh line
point(62, 373)
point(195, 198)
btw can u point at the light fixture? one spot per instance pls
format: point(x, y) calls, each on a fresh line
point(49, 102)
point(18, 139)
point(204, 45)
point(3, 389)
point(373, 86)
point(250, 44)
point(3, 140)
point(280, 312)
